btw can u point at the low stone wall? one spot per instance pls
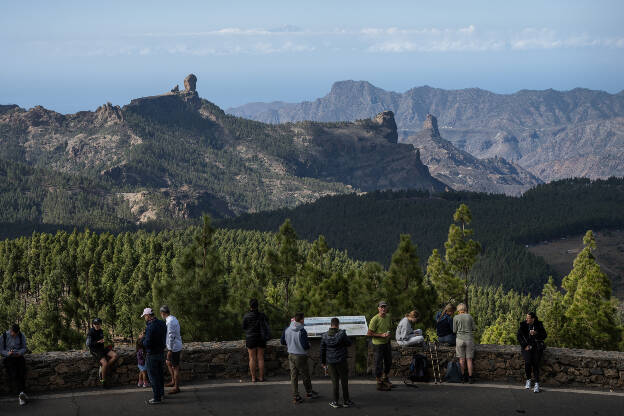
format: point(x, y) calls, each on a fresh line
point(503, 363)
point(229, 360)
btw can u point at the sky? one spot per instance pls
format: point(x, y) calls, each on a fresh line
point(76, 55)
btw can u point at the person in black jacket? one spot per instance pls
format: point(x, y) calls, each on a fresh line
point(257, 332)
point(155, 341)
point(531, 336)
point(444, 325)
point(334, 355)
point(102, 353)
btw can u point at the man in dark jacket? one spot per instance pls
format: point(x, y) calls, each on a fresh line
point(154, 342)
point(12, 348)
point(334, 356)
point(531, 335)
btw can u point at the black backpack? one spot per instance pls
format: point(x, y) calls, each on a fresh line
point(453, 373)
point(418, 369)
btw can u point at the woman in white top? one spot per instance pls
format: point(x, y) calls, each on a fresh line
point(405, 334)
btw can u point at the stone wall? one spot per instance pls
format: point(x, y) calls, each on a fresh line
point(228, 360)
point(503, 363)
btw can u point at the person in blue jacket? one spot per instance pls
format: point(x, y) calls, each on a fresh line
point(154, 342)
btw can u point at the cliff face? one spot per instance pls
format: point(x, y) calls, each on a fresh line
point(482, 123)
point(462, 171)
point(176, 155)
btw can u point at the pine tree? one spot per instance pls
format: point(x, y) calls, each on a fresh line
point(591, 312)
point(551, 312)
point(502, 332)
point(284, 263)
point(461, 250)
point(448, 287)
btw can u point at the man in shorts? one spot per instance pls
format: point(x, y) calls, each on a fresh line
point(464, 327)
point(103, 354)
point(174, 348)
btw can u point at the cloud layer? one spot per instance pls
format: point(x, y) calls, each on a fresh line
point(290, 39)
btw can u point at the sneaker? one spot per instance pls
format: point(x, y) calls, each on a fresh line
point(334, 405)
point(297, 400)
point(22, 399)
point(348, 403)
point(139, 384)
point(312, 395)
point(527, 385)
point(153, 401)
point(146, 384)
point(536, 389)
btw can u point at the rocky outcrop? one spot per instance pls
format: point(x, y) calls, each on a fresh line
point(108, 114)
point(190, 83)
point(385, 120)
point(462, 171)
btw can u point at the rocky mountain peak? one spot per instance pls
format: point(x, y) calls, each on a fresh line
point(431, 124)
point(386, 119)
point(108, 114)
point(190, 83)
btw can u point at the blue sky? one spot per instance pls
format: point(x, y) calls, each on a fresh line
point(76, 55)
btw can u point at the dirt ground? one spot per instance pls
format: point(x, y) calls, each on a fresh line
point(610, 255)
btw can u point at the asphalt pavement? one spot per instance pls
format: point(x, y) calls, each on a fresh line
point(274, 398)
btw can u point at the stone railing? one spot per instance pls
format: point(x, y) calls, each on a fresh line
point(229, 360)
point(503, 363)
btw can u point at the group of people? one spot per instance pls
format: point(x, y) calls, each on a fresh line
point(160, 343)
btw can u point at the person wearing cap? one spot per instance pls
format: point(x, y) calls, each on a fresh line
point(379, 329)
point(154, 342)
point(174, 348)
point(103, 354)
point(12, 348)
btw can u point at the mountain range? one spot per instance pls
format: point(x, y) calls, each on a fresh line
point(172, 156)
point(552, 134)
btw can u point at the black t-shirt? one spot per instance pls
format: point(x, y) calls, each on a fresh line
point(93, 337)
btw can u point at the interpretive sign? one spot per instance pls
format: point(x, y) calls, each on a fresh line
point(354, 325)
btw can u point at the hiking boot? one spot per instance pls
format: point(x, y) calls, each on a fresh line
point(334, 405)
point(348, 403)
point(312, 395)
point(387, 381)
point(536, 389)
point(527, 385)
point(381, 386)
point(297, 399)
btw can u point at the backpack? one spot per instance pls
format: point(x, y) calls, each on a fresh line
point(453, 372)
point(418, 369)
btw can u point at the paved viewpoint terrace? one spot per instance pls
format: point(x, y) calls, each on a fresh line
point(273, 398)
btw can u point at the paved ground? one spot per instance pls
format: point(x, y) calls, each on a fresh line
point(273, 398)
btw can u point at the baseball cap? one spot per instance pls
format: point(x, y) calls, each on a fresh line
point(382, 303)
point(147, 311)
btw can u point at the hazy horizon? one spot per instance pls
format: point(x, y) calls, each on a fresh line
point(73, 56)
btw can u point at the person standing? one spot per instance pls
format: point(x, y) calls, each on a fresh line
point(444, 325)
point(379, 329)
point(295, 337)
point(334, 356)
point(464, 328)
point(154, 342)
point(12, 348)
point(104, 355)
point(174, 348)
point(257, 332)
point(531, 335)
point(405, 334)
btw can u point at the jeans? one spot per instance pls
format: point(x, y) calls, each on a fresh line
point(299, 363)
point(447, 339)
point(156, 375)
point(339, 373)
point(532, 360)
point(16, 372)
point(382, 353)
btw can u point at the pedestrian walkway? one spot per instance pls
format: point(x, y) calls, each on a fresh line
point(273, 398)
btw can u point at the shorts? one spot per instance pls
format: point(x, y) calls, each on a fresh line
point(255, 343)
point(100, 353)
point(175, 358)
point(465, 349)
point(142, 367)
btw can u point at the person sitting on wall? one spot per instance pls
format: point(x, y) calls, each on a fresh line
point(405, 334)
point(531, 335)
point(13, 347)
point(444, 325)
point(103, 354)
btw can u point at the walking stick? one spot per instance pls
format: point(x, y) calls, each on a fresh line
point(437, 360)
point(435, 380)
